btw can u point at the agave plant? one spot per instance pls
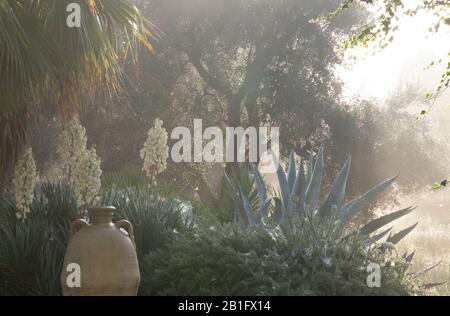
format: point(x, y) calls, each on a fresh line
point(246, 191)
point(299, 191)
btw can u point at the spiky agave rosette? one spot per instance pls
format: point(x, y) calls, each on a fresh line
point(299, 191)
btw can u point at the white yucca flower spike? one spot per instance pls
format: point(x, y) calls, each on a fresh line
point(25, 179)
point(86, 179)
point(81, 165)
point(72, 145)
point(155, 151)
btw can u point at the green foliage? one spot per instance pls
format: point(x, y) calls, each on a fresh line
point(43, 57)
point(155, 219)
point(303, 257)
point(384, 220)
point(123, 180)
point(299, 194)
point(126, 179)
point(237, 189)
point(308, 255)
point(32, 252)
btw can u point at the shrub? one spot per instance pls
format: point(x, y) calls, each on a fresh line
point(303, 257)
point(32, 252)
point(155, 219)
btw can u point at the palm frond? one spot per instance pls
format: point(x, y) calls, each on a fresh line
point(41, 56)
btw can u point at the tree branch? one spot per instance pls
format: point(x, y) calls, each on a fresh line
point(194, 54)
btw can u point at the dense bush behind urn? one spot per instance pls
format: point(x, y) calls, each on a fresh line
point(307, 257)
point(156, 219)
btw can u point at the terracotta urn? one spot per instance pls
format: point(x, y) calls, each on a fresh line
point(101, 257)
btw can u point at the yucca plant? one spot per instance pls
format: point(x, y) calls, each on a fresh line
point(32, 252)
point(299, 191)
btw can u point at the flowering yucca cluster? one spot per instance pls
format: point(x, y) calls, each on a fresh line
point(71, 145)
point(25, 179)
point(86, 178)
point(155, 151)
point(81, 165)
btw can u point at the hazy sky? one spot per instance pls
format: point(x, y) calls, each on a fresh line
point(377, 75)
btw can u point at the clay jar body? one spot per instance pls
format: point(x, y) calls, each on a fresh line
point(102, 255)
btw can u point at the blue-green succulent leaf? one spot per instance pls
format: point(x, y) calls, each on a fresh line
point(401, 234)
point(264, 209)
point(337, 191)
point(384, 220)
point(278, 211)
point(356, 205)
point(313, 190)
point(251, 216)
point(410, 257)
point(297, 198)
point(377, 237)
point(261, 186)
point(282, 182)
point(291, 172)
point(234, 192)
point(310, 167)
point(431, 285)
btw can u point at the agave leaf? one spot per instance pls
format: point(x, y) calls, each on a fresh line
point(428, 286)
point(282, 182)
point(298, 191)
point(384, 220)
point(264, 209)
point(236, 197)
point(377, 237)
point(409, 258)
point(291, 172)
point(337, 191)
point(401, 234)
point(231, 187)
point(310, 167)
point(353, 207)
point(259, 183)
point(278, 213)
point(347, 207)
point(427, 269)
point(250, 214)
point(313, 190)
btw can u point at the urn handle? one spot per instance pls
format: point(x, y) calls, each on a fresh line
point(77, 225)
point(126, 225)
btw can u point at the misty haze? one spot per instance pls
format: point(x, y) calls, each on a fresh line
point(99, 194)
